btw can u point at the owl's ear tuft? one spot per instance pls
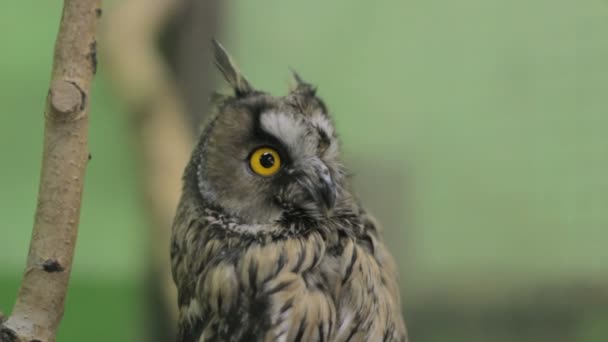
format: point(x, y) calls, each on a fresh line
point(218, 100)
point(231, 72)
point(302, 87)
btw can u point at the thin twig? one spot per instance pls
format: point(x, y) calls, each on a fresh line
point(40, 303)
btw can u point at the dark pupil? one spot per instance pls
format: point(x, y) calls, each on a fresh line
point(267, 160)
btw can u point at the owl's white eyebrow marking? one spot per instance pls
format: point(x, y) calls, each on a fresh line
point(323, 124)
point(283, 127)
point(320, 121)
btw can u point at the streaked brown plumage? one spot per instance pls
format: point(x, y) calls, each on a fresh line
point(289, 256)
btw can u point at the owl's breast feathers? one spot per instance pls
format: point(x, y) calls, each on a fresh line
point(333, 281)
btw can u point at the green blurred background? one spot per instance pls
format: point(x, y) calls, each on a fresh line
point(477, 130)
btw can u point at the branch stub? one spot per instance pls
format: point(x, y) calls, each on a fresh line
point(66, 97)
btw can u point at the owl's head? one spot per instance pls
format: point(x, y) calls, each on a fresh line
point(261, 156)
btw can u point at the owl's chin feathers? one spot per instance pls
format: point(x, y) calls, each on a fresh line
point(273, 218)
point(300, 203)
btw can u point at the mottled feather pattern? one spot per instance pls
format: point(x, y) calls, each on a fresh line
point(287, 257)
point(272, 286)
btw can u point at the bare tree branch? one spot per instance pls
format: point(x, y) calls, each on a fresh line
point(40, 304)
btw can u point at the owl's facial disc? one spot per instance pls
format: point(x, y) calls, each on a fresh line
point(305, 177)
point(310, 181)
point(267, 157)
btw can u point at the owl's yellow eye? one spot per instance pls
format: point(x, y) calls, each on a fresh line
point(265, 161)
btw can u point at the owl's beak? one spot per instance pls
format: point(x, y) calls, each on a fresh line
point(319, 185)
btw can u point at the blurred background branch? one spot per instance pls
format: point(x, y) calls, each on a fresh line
point(165, 90)
point(160, 134)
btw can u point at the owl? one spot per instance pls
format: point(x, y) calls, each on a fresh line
point(268, 242)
